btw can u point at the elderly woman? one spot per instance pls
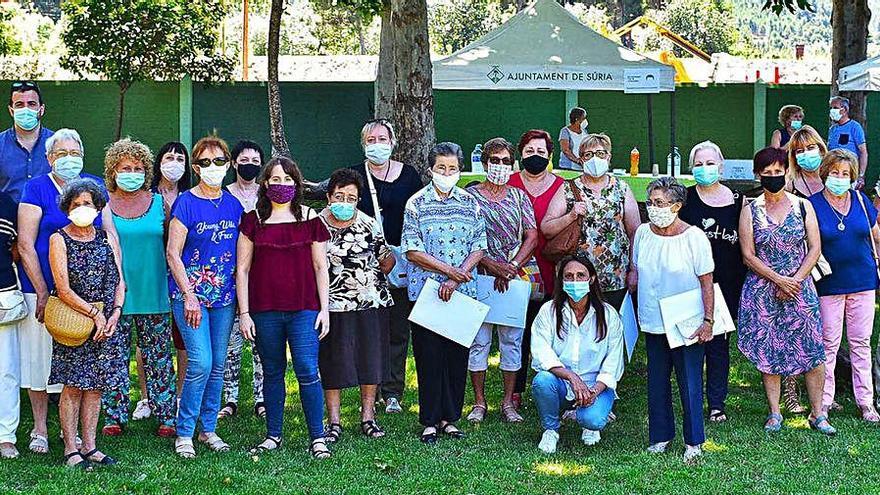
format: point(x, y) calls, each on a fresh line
point(608, 215)
point(38, 218)
point(283, 297)
point(139, 218)
point(201, 257)
point(849, 233)
point(570, 138)
point(791, 118)
point(779, 322)
point(535, 150)
point(577, 347)
point(715, 208)
point(247, 158)
point(86, 266)
point(805, 152)
point(355, 352)
point(444, 237)
point(511, 236)
point(10, 358)
point(671, 257)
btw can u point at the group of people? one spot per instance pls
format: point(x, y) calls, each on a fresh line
point(158, 252)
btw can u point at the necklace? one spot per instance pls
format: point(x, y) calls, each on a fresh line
point(840, 225)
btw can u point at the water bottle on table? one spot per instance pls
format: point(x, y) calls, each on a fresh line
point(476, 163)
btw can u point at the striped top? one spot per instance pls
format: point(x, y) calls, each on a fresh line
point(8, 235)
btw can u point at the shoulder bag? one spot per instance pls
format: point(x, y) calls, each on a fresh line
point(870, 233)
point(566, 241)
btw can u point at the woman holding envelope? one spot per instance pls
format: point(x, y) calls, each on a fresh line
point(444, 237)
point(671, 257)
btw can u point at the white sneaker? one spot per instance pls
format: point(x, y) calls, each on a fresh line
point(548, 442)
point(590, 437)
point(142, 410)
point(692, 453)
point(392, 406)
point(658, 448)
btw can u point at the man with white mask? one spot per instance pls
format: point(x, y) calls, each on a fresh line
point(847, 134)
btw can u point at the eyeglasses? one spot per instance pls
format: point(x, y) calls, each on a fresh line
point(659, 203)
point(63, 153)
point(497, 160)
point(207, 162)
point(342, 198)
point(597, 154)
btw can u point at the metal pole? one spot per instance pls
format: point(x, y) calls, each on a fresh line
point(244, 42)
point(651, 131)
point(672, 131)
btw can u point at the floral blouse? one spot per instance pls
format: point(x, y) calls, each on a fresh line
point(356, 281)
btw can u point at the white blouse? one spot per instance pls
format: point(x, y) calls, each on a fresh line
point(667, 265)
point(578, 351)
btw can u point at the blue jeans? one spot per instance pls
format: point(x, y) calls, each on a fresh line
point(275, 330)
point(549, 392)
point(687, 361)
point(203, 383)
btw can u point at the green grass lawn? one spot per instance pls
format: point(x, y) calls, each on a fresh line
point(494, 458)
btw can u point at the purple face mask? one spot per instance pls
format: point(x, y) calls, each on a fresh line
point(281, 193)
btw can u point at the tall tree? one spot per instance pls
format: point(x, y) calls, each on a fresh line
point(276, 118)
point(385, 69)
point(143, 40)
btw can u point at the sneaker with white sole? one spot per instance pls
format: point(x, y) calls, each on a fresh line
point(548, 442)
point(590, 437)
point(692, 453)
point(392, 406)
point(658, 448)
point(142, 410)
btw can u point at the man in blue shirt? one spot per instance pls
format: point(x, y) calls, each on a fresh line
point(847, 134)
point(23, 146)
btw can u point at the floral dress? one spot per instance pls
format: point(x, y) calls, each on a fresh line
point(356, 281)
point(93, 275)
point(780, 336)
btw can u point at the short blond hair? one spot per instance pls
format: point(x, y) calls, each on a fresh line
point(836, 157)
point(596, 139)
point(369, 126)
point(786, 112)
point(133, 150)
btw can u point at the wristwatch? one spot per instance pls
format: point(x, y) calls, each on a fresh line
point(515, 263)
point(709, 321)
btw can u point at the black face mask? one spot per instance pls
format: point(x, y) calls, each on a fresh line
point(773, 184)
point(535, 164)
point(248, 171)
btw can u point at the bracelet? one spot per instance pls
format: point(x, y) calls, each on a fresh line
point(117, 307)
point(93, 312)
point(244, 313)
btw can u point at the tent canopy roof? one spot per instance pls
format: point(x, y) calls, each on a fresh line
point(863, 76)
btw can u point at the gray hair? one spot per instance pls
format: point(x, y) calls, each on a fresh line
point(74, 188)
point(844, 101)
point(369, 126)
point(63, 135)
point(671, 188)
point(705, 145)
point(445, 149)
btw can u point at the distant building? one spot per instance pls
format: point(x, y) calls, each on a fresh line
point(49, 8)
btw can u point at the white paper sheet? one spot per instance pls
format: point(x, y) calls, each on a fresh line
point(458, 319)
point(683, 314)
point(508, 308)
point(630, 325)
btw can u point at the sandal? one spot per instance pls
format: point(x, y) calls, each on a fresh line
point(816, 424)
point(83, 464)
point(452, 431)
point(260, 409)
point(113, 430)
point(429, 438)
point(509, 414)
point(869, 414)
point(184, 447)
point(372, 429)
point(319, 449)
point(105, 459)
point(229, 410)
point(214, 442)
point(773, 423)
point(792, 396)
point(8, 451)
point(477, 414)
point(333, 432)
point(39, 444)
point(717, 416)
point(266, 446)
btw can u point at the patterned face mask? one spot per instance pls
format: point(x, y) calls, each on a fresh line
point(661, 217)
point(498, 173)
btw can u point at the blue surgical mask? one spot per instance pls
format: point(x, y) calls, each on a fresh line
point(68, 167)
point(809, 160)
point(796, 124)
point(26, 118)
point(342, 211)
point(577, 290)
point(706, 175)
point(378, 153)
point(838, 186)
point(130, 181)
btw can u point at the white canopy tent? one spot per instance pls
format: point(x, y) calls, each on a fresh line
point(863, 76)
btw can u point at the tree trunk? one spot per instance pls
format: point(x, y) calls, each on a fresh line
point(123, 88)
point(413, 91)
point(849, 23)
point(276, 120)
point(359, 25)
point(385, 70)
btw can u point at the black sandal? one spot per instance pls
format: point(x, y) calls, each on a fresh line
point(229, 409)
point(105, 461)
point(319, 449)
point(333, 432)
point(455, 434)
point(83, 464)
point(260, 409)
point(372, 429)
point(717, 416)
point(261, 448)
point(429, 438)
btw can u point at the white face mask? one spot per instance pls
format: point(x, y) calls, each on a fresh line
point(498, 173)
point(378, 153)
point(661, 217)
point(596, 167)
point(172, 170)
point(212, 175)
point(83, 216)
point(445, 183)
point(835, 114)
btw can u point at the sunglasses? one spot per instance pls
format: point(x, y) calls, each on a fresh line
point(24, 85)
point(494, 160)
point(207, 162)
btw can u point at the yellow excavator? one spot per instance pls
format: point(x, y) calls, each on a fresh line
point(666, 57)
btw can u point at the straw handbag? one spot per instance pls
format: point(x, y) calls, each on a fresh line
point(66, 325)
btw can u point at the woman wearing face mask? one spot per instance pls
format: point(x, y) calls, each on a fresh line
point(85, 263)
point(791, 118)
point(247, 158)
point(715, 208)
point(444, 237)
point(849, 233)
point(139, 218)
point(512, 236)
point(283, 297)
point(608, 213)
point(805, 152)
point(355, 352)
point(570, 138)
point(535, 150)
point(578, 354)
point(201, 256)
point(671, 257)
point(38, 218)
point(780, 329)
